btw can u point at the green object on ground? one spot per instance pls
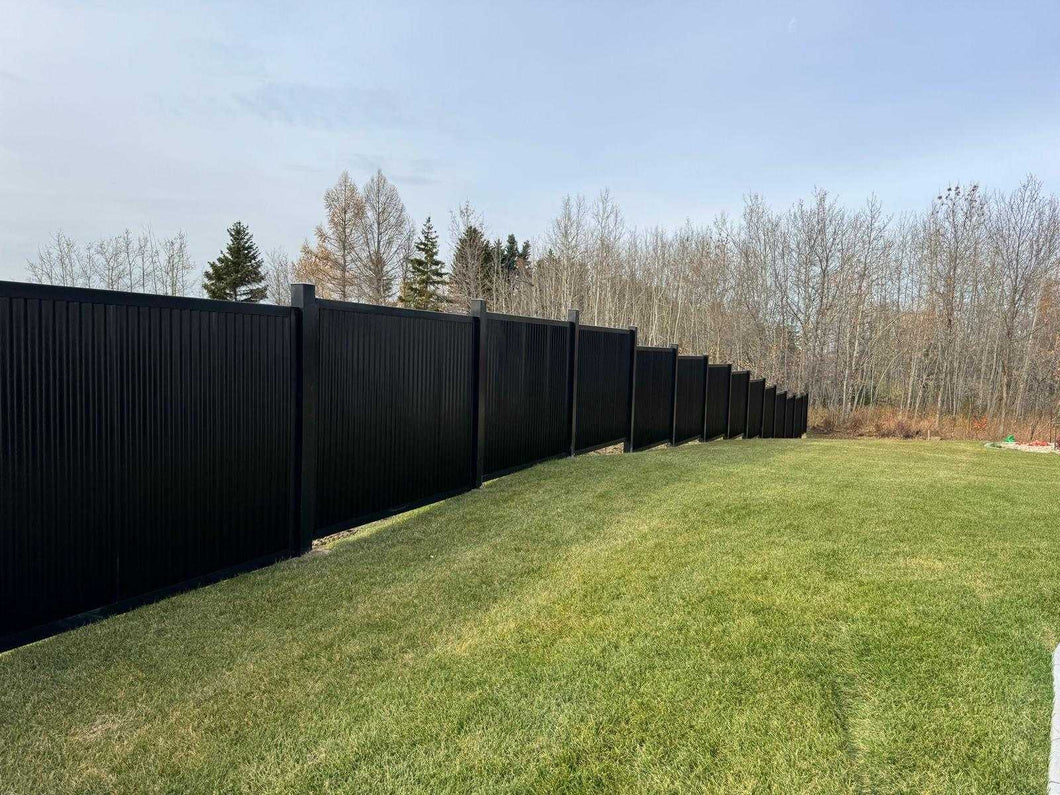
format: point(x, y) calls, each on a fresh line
point(1010, 439)
point(764, 615)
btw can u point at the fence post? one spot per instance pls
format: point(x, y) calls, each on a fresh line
point(478, 399)
point(728, 402)
point(673, 402)
point(628, 447)
point(747, 407)
point(706, 396)
point(303, 298)
point(748, 428)
point(572, 377)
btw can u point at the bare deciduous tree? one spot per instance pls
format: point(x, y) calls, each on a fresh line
point(384, 235)
point(279, 275)
point(331, 262)
point(60, 262)
point(175, 267)
point(134, 263)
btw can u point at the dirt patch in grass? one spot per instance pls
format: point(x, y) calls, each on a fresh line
point(1040, 447)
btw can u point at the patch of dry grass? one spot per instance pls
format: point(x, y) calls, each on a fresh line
point(885, 422)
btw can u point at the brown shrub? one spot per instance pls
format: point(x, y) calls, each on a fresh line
point(823, 422)
point(888, 422)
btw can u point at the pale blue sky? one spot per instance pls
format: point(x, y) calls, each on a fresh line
point(189, 116)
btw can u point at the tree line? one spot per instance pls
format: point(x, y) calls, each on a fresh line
point(951, 311)
point(954, 311)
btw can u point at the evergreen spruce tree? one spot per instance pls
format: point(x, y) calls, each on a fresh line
point(421, 288)
point(469, 267)
point(236, 274)
point(510, 257)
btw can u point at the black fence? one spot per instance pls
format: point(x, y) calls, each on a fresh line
point(778, 414)
point(149, 442)
point(691, 397)
point(397, 386)
point(789, 417)
point(769, 405)
point(604, 386)
point(740, 381)
point(755, 393)
point(718, 382)
point(653, 411)
point(527, 392)
point(802, 403)
point(143, 441)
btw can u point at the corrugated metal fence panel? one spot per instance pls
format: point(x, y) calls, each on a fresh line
point(526, 392)
point(653, 396)
point(789, 417)
point(144, 441)
point(778, 414)
point(691, 391)
point(755, 393)
point(394, 410)
point(603, 386)
point(800, 415)
point(769, 405)
point(738, 403)
point(718, 384)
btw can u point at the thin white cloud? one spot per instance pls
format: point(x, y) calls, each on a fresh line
point(328, 107)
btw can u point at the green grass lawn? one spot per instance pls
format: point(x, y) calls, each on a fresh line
point(751, 616)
